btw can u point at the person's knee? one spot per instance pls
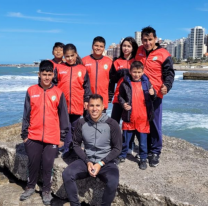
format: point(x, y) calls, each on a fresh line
point(68, 174)
point(113, 181)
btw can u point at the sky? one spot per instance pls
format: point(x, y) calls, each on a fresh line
point(29, 29)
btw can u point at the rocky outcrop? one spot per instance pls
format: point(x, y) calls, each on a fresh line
point(180, 179)
point(195, 76)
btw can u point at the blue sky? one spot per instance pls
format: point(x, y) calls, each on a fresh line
point(29, 29)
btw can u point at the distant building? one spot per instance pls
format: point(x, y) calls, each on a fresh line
point(138, 38)
point(171, 48)
point(186, 47)
point(113, 50)
point(206, 41)
point(180, 48)
point(196, 49)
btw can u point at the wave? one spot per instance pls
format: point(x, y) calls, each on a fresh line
point(178, 77)
point(17, 77)
point(181, 121)
point(14, 89)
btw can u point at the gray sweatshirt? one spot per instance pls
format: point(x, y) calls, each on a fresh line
point(102, 139)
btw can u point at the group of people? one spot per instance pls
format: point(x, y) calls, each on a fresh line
point(72, 87)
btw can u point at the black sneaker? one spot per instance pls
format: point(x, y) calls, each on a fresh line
point(143, 164)
point(120, 160)
point(27, 193)
point(47, 197)
point(154, 160)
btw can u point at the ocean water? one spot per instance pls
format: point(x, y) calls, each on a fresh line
point(185, 110)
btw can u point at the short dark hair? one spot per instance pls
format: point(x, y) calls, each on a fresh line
point(98, 39)
point(147, 30)
point(96, 96)
point(134, 45)
point(58, 44)
point(46, 65)
point(137, 64)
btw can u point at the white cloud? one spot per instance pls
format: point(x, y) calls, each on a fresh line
point(204, 8)
point(58, 14)
point(30, 31)
point(49, 19)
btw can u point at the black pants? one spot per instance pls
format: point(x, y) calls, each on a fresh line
point(73, 118)
point(116, 112)
point(36, 152)
point(108, 174)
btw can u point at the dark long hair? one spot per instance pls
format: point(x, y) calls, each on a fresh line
point(71, 47)
point(134, 45)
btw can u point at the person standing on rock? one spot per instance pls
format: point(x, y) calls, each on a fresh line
point(98, 67)
point(44, 127)
point(158, 66)
point(102, 140)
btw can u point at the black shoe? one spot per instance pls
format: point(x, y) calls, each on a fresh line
point(120, 160)
point(154, 160)
point(143, 164)
point(47, 197)
point(27, 193)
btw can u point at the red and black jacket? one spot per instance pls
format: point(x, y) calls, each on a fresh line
point(98, 70)
point(45, 116)
point(74, 81)
point(117, 72)
point(158, 66)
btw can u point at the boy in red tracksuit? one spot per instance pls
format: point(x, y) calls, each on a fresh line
point(136, 95)
point(98, 67)
point(44, 127)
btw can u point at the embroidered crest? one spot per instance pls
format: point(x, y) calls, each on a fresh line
point(79, 74)
point(154, 58)
point(53, 98)
point(105, 66)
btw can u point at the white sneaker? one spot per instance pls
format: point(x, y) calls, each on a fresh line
point(130, 151)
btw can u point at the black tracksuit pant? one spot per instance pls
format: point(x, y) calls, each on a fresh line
point(108, 174)
point(38, 152)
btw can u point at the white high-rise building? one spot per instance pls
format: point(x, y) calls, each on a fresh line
point(180, 48)
point(196, 49)
point(171, 48)
point(138, 37)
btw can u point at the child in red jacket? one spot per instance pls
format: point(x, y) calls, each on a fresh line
point(73, 80)
point(136, 95)
point(44, 127)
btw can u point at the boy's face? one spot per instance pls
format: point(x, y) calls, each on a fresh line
point(45, 78)
point(58, 52)
point(149, 41)
point(95, 109)
point(98, 48)
point(136, 74)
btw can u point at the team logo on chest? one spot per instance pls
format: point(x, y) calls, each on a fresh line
point(79, 74)
point(105, 66)
point(53, 98)
point(154, 58)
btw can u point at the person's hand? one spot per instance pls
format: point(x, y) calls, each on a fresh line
point(85, 105)
point(126, 106)
point(164, 89)
point(25, 140)
point(61, 144)
point(151, 90)
point(97, 168)
point(91, 169)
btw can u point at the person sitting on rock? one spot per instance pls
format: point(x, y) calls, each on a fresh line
point(102, 140)
point(136, 96)
point(44, 127)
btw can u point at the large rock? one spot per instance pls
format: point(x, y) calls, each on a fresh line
point(180, 179)
point(195, 75)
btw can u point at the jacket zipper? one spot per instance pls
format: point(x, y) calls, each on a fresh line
point(96, 77)
point(43, 115)
point(95, 143)
point(70, 91)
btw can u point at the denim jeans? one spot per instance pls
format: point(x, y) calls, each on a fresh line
point(142, 138)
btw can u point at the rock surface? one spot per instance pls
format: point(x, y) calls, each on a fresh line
point(180, 179)
point(195, 76)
